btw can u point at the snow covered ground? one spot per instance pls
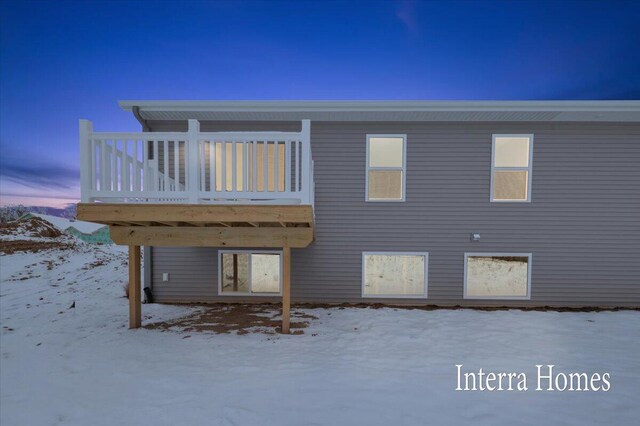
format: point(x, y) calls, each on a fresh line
point(81, 366)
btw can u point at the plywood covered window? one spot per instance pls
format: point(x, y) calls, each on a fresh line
point(386, 167)
point(497, 276)
point(249, 272)
point(402, 275)
point(511, 161)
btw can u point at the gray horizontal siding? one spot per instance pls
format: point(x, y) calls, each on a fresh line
point(582, 226)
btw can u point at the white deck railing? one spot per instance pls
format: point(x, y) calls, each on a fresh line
point(196, 167)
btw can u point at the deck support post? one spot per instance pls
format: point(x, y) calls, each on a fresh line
point(286, 289)
point(135, 302)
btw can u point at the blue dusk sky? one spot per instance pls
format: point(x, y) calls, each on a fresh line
point(65, 60)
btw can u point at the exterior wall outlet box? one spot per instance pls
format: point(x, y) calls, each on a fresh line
point(165, 276)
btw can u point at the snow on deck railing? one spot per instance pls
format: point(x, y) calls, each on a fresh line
point(196, 167)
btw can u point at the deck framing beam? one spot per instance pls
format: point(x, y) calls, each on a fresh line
point(169, 236)
point(141, 214)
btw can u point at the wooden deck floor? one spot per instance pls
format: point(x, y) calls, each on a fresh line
point(204, 225)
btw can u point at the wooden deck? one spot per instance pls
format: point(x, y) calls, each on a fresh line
point(204, 225)
point(237, 226)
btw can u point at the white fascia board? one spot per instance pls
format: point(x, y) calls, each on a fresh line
point(541, 111)
point(267, 106)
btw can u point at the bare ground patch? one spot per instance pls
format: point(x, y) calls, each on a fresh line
point(460, 307)
point(227, 318)
point(33, 227)
point(11, 247)
point(32, 235)
point(238, 318)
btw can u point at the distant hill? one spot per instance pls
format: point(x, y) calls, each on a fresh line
point(13, 212)
point(50, 210)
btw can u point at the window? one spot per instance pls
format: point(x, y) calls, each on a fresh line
point(386, 159)
point(249, 273)
point(511, 168)
point(401, 275)
point(497, 276)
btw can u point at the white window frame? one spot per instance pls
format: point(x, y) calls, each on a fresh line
point(528, 169)
point(529, 267)
point(396, 253)
point(243, 293)
point(403, 168)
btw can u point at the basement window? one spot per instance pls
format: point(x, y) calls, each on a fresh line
point(386, 167)
point(511, 160)
point(394, 275)
point(249, 273)
point(497, 276)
